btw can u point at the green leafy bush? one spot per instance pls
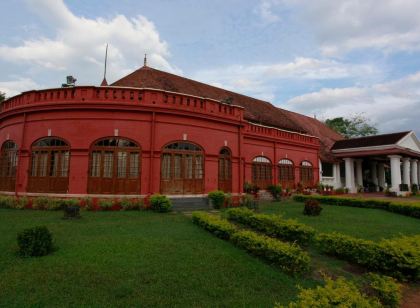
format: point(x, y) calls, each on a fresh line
point(404, 208)
point(384, 288)
point(249, 202)
point(214, 224)
point(312, 208)
point(160, 203)
point(288, 257)
point(338, 293)
point(40, 203)
point(7, 202)
point(275, 191)
point(131, 204)
point(21, 203)
point(54, 204)
point(273, 225)
point(35, 242)
point(398, 257)
point(105, 204)
point(217, 198)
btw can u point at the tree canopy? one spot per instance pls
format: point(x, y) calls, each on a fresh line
point(355, 126)
point(2, 96)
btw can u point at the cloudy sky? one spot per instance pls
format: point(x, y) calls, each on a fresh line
point(322, 57)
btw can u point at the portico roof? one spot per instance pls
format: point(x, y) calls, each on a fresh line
point(401, 143)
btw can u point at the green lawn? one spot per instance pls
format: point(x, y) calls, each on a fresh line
point(163, 260)
point(364, 223)
point(134, 259)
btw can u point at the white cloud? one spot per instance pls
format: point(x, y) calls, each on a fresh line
point(259, 79)
point(344, 25)
point(265, 10)
point(78, 45)
point(15, 87)
point(393, 105)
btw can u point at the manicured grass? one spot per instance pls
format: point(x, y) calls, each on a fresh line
point(134, 259)
point(365, 223)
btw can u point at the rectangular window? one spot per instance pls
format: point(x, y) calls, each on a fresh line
point(122, 165)
point(188, 163)
point(327, 169)
point(199, 167)
point(177, 166)
point(64, 164)
point(108, 164)
point(96, 165)
point(166, 166)
point(134, 165)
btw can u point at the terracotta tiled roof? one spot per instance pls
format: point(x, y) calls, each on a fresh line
point(378, 140)
point(256, 110)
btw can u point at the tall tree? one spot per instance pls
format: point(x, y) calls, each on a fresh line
point(355, 126)
point(2, 96)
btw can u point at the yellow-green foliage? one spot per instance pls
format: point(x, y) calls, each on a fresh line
point(338, 293)
point(405, 208)
point(7, 202)
point(273, 225)
point(289, 257)
point(384, 288)
point(219, 227)
point(397, 257)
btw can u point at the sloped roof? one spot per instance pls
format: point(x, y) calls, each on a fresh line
point(369, 141)
point(256, 110)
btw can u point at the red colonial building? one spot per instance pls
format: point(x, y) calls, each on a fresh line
point(150, 132)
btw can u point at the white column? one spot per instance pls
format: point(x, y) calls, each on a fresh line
point(349, 163)
point(395, 172)
point(414, 172)
point(406, 171)
point(381, 175)
point(418, 173)
point(337, 175)
point(374, 174)
point(359, 172)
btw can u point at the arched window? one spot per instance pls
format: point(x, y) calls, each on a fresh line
point(261, 172)
point(114, 167)
point(306, 173)
point(182, 169)
point(225, 170)
point(286, 173)
point(8, 166)
point(50, 158)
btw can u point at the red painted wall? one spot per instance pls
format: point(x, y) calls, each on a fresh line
point(151, 118)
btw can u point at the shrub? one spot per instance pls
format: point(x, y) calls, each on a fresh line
point(312, 208)
point(404, 208)
point(249, 202)
point(273, 225)
point(250, 188)
point(7, 202)
point(160, 203)
point(40, 203)
point(106, 205)
point(338, 293)
point(131, 205)
point(214, 224)
point(386, 289)
point(70, 202)
point(87, 203)
point(54, 204)
point(35, 242)
point(288, 257)
point(217, 198)
point(228, 201)
point(21, 203)
point(275, 191)
point(398, 257)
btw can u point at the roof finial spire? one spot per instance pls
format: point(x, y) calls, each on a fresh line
point(145, 60)
point(104, 82)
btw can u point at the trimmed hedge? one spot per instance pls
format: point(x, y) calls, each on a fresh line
point(397, 257)
point(335, 293)
point(290, 258)
point(273, 225)
point(384, 288)
point(214, 224)
point(404, 208)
